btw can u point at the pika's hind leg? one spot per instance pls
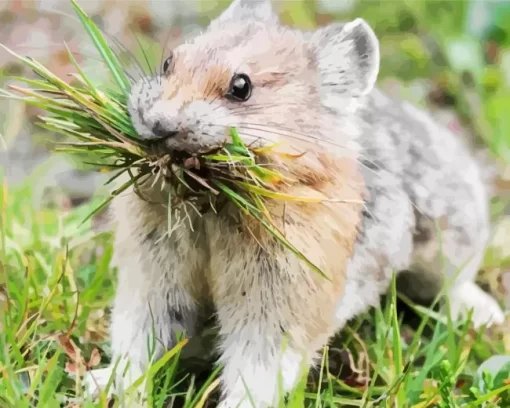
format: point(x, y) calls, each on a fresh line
point(450, 258)
point(446, 185)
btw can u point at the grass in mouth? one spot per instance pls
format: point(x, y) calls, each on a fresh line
point(100, 123)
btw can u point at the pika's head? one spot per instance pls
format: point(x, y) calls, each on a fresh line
point(249, 71)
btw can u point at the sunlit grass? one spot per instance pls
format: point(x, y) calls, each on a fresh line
point(57, 282)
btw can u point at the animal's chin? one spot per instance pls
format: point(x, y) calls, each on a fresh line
point(183, 150)
point(187, 152)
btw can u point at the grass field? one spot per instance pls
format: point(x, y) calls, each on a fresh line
point(57, 282)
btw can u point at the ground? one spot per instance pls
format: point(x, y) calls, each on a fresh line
point(56, 281)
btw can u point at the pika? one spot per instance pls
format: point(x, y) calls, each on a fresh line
point(391, 173)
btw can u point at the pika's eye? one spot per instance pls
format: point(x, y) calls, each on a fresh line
point(240, 88)
point(167, 64)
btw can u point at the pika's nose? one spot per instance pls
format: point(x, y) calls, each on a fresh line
point(163, 132)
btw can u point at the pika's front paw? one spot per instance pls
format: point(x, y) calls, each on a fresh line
point(467, 296)
point(97, 381)
point(241, 403)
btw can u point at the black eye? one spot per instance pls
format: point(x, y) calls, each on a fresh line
point(240, 88)
point(167, 64)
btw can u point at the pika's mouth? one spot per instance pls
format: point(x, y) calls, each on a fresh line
point(193, 162)
point(180, 150)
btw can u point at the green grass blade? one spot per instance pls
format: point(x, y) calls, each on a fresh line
point(154, 368)
point(104, 49)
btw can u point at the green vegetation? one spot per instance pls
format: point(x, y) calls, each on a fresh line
point(57, 282)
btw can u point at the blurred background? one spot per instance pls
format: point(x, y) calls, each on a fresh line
point(452, 57)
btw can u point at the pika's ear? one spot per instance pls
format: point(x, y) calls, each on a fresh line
point(347, 57)
point(243, 10)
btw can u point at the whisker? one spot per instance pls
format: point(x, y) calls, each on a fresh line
point(218, 107)
point(144, 55)
point(337, 145)
point(59, 45)
point(269, 132)
point(278, 127)
point(234, 111)
point(111, 37)
point(80, 54)
point(255, 137)
point(131, 56)
point(359, 155)
point(163, 50)
point(248, 108)
point(298, 136)
point(214, 100)
point(365, 207)
point(315, 138)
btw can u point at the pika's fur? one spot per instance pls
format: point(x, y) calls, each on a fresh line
point(395, 172)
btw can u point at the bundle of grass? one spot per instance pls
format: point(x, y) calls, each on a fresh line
point(100, 121)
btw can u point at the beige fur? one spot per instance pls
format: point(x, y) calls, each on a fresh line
point(384, 171)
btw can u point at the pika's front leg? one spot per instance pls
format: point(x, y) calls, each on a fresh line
point(273, 318)
point(151, 308)
point(153, 303)
point(147, 318)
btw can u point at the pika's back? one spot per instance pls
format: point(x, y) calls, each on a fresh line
point(434, 165)
point(420, 179)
